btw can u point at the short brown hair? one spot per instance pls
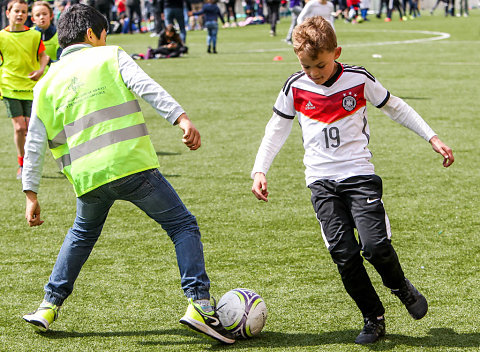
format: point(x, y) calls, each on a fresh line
point(313, 36)
point(10, 3)
point(43, 3)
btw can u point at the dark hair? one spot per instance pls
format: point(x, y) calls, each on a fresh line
point(170, 28)
point(76, 20)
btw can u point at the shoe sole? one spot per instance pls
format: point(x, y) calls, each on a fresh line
point(422, 301)
point(37, 325)
point(205, 329)
point(360, 342)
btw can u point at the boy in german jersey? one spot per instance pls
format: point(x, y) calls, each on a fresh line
point(329, 99)
point(22, 62)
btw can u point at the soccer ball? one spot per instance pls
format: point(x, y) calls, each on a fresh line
point(242, 312)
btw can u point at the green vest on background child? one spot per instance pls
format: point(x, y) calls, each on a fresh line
point(52, 46)
point(22, 63)
point(42, 17)
point(18, 64)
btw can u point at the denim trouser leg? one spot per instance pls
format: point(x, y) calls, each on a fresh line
point(152, 193)
point(212, 28)
point(81, 237)
point(172, 13)
point(165, 207)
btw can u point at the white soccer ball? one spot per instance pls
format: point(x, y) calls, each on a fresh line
point(242, 312)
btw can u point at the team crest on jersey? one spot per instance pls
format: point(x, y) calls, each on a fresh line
point(349, 102)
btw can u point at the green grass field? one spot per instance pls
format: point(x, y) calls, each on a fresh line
point(128, 296)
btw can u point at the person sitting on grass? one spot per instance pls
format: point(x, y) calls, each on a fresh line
point(330, 101)
point(85, 111)
point(170, 44)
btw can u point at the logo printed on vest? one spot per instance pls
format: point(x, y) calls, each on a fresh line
point(75, 85)
point(349, 102)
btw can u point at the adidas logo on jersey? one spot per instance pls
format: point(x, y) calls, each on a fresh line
point(310, 106)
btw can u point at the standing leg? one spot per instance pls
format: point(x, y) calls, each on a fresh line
point(365, 202)
point(338, 233)
point(373, 228)
point(178, 14)
point(92, 211)
point(295, 12)
point(209, 27)
point(157, 198)
point(214, 34)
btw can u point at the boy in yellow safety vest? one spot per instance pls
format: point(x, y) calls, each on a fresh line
point(22, 62)
point(84, 109)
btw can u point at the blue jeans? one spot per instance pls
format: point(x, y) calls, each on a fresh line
point(212, 28)
point(172, 13)
point(152, 193)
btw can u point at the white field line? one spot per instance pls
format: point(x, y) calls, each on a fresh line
point(435, 36)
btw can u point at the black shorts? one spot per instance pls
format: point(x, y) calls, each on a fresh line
point(17, 107)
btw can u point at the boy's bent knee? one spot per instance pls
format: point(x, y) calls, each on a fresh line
point(379, 254)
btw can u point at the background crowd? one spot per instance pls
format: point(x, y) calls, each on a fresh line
point(152, 16)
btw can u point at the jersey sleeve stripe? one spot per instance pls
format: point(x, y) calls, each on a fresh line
point(281, 114)
point(291, 79)
point(382, 104)
point(358, 69)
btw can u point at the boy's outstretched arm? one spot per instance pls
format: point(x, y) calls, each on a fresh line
point(191, 136)
point(442, 149)
point(259, 187)
point(44, 59)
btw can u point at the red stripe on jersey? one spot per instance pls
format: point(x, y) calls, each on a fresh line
point(331, 108)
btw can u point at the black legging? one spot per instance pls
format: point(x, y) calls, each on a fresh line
point(134, 9)
point(171, 52)
point(273, 8)
point(230, 9)
point(394, 4)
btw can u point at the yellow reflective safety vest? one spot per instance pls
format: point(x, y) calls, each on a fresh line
point(96, 131)
point(18, 57)
point(51, 47)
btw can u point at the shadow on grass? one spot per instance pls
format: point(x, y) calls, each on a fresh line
point(167, 153)
point(58, 175)
point(437, 337)
point(415, 98)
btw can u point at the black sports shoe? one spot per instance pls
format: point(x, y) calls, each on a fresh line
point(372, 331)
point(413, 300)
point(206, 323)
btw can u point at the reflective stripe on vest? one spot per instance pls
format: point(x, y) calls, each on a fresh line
point(102, 141)
point(92, 119)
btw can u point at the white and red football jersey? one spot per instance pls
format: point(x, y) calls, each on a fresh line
point(333, 118)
